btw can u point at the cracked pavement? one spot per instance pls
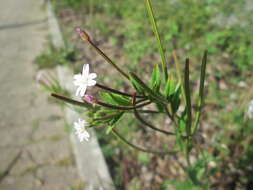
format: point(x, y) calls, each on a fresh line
point(35, 152)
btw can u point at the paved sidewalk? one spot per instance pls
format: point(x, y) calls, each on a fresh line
point(34, 149)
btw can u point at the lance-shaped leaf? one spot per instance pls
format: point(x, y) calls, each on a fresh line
point(158, 39)
point(179, 76)
point(115, 99)
point(137, 86)
point(175, 99)
point(170, 87)
point(150, 93)
point(188, 97)
point(155, 81)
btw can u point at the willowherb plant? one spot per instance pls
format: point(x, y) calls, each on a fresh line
point(163, 90)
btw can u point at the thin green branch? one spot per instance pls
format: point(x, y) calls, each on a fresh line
point(138, 116)
point(71, 101)
point(108, 59)
point(120, 137)
point(117, 91)
point(158, 38)
point(149, 111)
point(107, 117)
point(122, 107)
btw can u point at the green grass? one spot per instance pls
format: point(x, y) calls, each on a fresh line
point(52, 57)
point(187, 25)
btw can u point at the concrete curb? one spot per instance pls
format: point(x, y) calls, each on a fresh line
point(90, 161)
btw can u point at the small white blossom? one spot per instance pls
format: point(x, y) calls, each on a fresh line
point(212, 164)
point(82, 81)
point(250, 110)
point(81, 131)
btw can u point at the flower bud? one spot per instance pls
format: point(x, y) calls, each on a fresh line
point(89, 98)
point(42, 78)
point(83, 34)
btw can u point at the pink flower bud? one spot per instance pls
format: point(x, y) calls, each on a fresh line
point(83, 34)
point(90, 99)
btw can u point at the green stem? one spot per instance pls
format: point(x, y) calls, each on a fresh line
point(107, 117)
point(119, 136)
point(137, 115)
point(108, 60)
point(117, 91)
point(122, 107)
point(71, 101)
point(149, 111)
point(158, 38)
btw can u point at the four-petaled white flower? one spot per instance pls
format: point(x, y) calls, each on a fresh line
point(84, 80)
point(81, 132)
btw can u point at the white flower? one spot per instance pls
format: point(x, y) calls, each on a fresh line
point(81, 131)
point(84, 80)
point(250, 110)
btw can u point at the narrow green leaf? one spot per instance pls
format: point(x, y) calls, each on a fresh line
point(158, 38)
point(188, 97)
point(115, 99)
point(137, 87)
point(155, 82)
point(121, 100)
point(201, 91)
point(154, 96)
point(170, 86)
point(175, 100)
point(179, 76)
point(107, 98)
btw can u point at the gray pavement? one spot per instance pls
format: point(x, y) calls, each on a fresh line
point(34, 149)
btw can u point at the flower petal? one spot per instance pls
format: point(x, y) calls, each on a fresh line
point(91, 82)
point(85, 70)
point(92, 75)
point(83, 90)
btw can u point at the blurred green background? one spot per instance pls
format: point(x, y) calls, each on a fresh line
point(122, 29)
